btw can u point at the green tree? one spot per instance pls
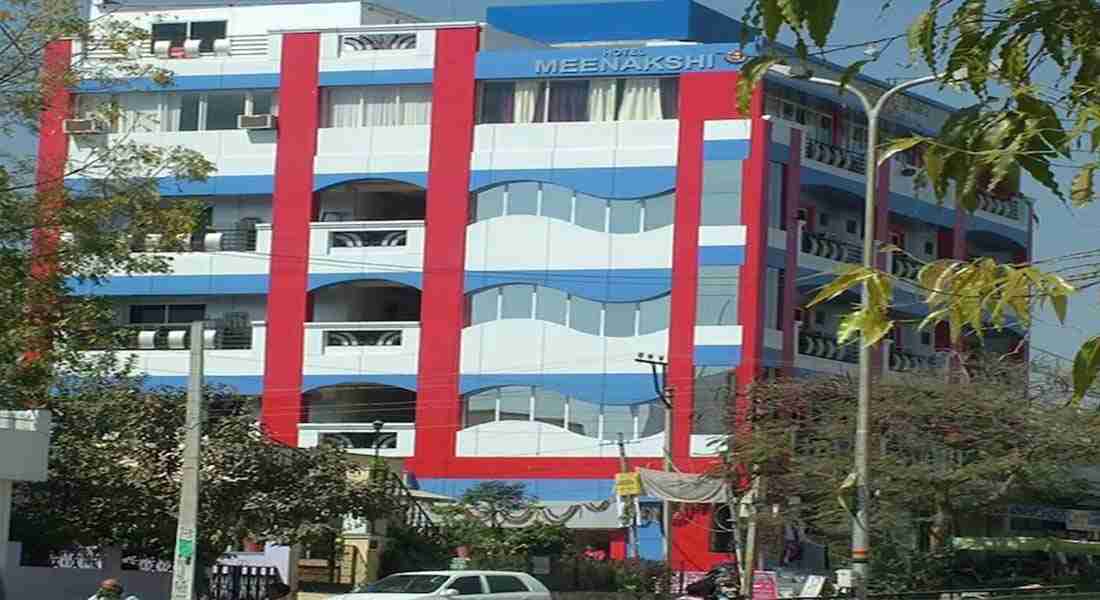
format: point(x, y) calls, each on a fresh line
point(115, 465)
point(944, 454)
point(54, 232)
point(1020, 121)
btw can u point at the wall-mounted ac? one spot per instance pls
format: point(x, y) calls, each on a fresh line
point(256, 121)
point(83, 126)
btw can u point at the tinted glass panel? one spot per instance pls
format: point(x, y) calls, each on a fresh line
point(721, 209)
point(490, 203)
point(207, 32)
point(568, 101)
point(222, 111)
point(523, 199)
point(481, 408)
point(550, 407)
point(557, 202)
point(173, 32)
point(483, 306)
point(503, 584)
point(658, 212)
point(591, 213)
point(626, 216)
point(261, 103)
point(516, 301)
point(653, 315)
point(551, 305)
point(584, 418)
point(498, 102)
point(717, 298)
point(189, 112)
point(584, 315)
point(186, 313)
point(147, 314)
point(515, 404)
point(713, 390)
point(651, 418)
point(619, 319)
point(616, 420)
point(466, 586)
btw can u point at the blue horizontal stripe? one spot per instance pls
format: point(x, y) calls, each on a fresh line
point(248, 385)
point(184, 83)
point(717, 356)
point(721, 255)
point(602, 285)
point(725, 150)
point(602, 182)
point(599, 388)
point(379, 77)
point(589, 62)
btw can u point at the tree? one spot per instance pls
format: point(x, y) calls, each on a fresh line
point(943, 454)
point(1017, 123)
point(55, 232)
point(114, 477)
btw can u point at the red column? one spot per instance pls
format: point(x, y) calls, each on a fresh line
point(292, 210)
point(790, 266)
point(754, 216)
point(703, 96)
point(438, 410)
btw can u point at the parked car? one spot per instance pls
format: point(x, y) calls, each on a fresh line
point(470, 585)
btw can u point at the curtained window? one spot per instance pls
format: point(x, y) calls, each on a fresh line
point(376, 106)
point(573, 100)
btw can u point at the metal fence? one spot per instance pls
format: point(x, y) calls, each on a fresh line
point(240, 582)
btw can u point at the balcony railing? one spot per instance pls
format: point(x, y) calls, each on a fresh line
point(1009, 208)
point(233, 45)
point(207, 240)
point(904, 266)
point(907, 361)
point(835, 156)
point(363, 337)
point(372, 334)
point(823, 346)
point(826, 247)
point(394, 440)
point(220, 336)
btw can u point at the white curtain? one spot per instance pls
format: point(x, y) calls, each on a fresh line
point(416, 104)
point(172, 106)
point(342, 107)
point(527, 101)
point(602, 99)
point(140, 113)
point(380, 106)
point(641, 100)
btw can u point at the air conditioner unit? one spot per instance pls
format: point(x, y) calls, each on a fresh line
point(83, 126)
point(256, 121)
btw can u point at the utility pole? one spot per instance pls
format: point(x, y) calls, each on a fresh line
point(665, 393)
point(183, 569)
point(628, 502)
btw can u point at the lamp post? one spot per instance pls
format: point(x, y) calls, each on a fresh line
point(860, 534)
point(377, 425)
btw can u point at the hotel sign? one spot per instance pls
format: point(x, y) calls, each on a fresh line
point(615, 61)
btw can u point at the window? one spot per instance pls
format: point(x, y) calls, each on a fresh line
point(713, 392)
point(483, 306)
point(819, 318)
point(653, 315)
point(207, 32)
point(619, 319)
point(504, 584)
point(716, 302)
point(584, 418)
point(527, 403)
point(925, 338)
point(515, 404)
point(626, 217)
point(516, 301)
point(585, 315)
point(550, 407)
point(467, 586)
point(823, 219)
point(611, 319)
point(571, 100)
point(481, 408)
point(214, 111)
point(376, 106)
point(590, 212)
point(551, 305)
point(851, 226)
point(777, 198)
point(523, 198)
point(659, 211)
point(721, 529)
point(172, 313)
point(929, 248)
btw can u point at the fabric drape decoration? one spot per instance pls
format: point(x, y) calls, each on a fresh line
point(641, 100)
point(683, 487)
point(528, 102)
point(602, 99)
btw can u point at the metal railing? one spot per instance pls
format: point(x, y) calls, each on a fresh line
point(238, 45)
point(1007, 207)
point(206, 240)
point(412, 514)
point(173, 336)
point(901, 360)
point(905, 267)
point(241, 582)
point(836, 156)
point(823, 346)
point(368, 238)
point(824, 246)
point(368, 337)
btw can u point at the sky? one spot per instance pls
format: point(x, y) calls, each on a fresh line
point(1059, 230)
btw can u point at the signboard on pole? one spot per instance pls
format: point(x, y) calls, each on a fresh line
point(628, 484)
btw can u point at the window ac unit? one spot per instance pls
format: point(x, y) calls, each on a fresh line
point(83, 126)
point(256, 121)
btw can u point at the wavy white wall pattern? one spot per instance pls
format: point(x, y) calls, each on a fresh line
point(532, 438)
point(575, 145)
point(233, 152)
point(529, 242)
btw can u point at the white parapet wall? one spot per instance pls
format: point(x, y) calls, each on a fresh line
point(24, 444)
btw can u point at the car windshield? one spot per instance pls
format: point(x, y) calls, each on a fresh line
point(405, 584)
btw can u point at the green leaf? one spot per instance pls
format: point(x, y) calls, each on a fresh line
point(921, 37)
point(820, 15)
point(1085, 366)
point(752, 73)
point(773, 18)
point(846, 279)
point(899, 145)
point(853, 70)
point(1081, 191)
point(1039, 168)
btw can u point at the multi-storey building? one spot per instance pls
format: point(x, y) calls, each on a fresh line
point(467, 232)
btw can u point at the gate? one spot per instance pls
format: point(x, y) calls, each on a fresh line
point(240, 582)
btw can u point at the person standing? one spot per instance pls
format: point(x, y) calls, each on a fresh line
point(111, 589)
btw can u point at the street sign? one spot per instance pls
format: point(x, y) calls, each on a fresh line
point(628, 484)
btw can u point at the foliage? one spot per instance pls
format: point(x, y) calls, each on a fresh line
point(409, 550)
point(115, 465)
point(941, 454)
point(120, 202)
point(1022, 120)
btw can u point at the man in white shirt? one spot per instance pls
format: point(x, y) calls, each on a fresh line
point(111, 589)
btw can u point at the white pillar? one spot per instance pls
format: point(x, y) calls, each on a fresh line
point(5, 523)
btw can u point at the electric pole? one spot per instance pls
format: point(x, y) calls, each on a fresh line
point(665, 393)
point(628, 502)
point(183, 569)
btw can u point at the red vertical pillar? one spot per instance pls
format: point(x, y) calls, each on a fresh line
point(790, 265)
point(438, 409)
point(703, 96)
point(287, 298)
point(754, 216)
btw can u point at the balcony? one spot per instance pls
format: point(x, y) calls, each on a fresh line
point(377, 347)
point(223, 336)
point(901, 360)
point(206, 240)
point(836, 156)
point(818, 345)
point(251, 45)
point(903, 266)
point(1004, 207)
point(394, 440)
point(827, 247)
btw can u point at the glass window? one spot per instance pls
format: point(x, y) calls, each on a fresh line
point(626, 216)
point(619, 319)
point(670, 97)
point(263, 103)
point(721, 209)
point(713, 393)
point(189, 112)
point(659, 211)
point(776, 199)
point(147, 314)
point(516, 300)
point(515, 403)
point(176, 33)
point(717, 295)
point(557, 202)
point(584, 315)
point(651, 418)
point(481, 408)
point(616, 420)
point(584, 418)
point(523, 198)
point(551, 305)
point(222, 110)
point(483, 306)
point(591, 212)
point(186, 313)
point(653, 315)
point(550, 407)
point(504, 584)
point(404, 584)
point(498, 102)
point(206, 32)
point(568, 101)
point(467, 586)
point(490, 203)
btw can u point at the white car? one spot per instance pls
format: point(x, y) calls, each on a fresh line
point(468, 585)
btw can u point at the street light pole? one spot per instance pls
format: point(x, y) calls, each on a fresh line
point(861, 541)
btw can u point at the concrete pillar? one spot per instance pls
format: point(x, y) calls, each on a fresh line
point(5, 524)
